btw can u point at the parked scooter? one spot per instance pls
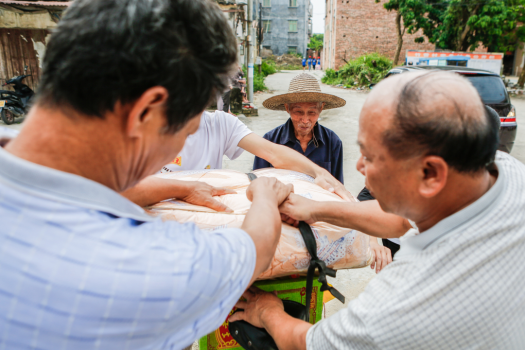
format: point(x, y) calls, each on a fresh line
point(15, 104)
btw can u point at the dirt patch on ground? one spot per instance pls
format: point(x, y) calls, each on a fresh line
point(286, 61)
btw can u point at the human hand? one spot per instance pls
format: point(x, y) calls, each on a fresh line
point(269, 186)
point(202, 194)
point(331, 184)
point(297, 208)
point(258, 304)
point(382, 255)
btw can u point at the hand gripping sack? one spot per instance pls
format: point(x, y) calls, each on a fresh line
point(339, 248)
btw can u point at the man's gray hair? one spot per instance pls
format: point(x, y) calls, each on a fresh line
point(432, 118)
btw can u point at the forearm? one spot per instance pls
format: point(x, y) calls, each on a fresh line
point(263, 224)
point(367, 217)
point(153, 189)
point(288, 332)
point(283, 157)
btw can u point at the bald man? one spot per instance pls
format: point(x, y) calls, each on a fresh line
point(428, 151)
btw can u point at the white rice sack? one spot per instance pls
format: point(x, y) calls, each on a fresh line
point(339, 248)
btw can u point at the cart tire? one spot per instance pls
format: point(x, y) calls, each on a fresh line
point(8, 117)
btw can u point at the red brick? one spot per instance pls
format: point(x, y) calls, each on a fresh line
point(361, 27)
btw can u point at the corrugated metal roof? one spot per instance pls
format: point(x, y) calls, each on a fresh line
point(36, 3)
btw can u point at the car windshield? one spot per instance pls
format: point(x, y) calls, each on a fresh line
point(490, 88)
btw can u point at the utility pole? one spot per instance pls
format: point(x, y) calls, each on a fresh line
point(260, 31)
point(250, 51)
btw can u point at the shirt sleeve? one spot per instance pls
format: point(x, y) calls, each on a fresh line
point(198, 275)
point(345, 330)
point(223, 266)
point(259, 163)
point(337, 161)
point(232, 132)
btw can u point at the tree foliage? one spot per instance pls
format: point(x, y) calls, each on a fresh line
point(464, 25)
point(362, 71)
point(410, 14)
point(316, 42)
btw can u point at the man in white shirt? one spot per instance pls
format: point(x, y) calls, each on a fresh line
point(428, 151)
point(219, 134)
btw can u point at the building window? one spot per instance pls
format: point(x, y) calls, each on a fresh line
point(267, 26)
point(292, 26)
point(292, 50)
point(293, 3)
point(267, 3)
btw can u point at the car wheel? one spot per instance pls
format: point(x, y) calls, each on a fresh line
point(8, 117)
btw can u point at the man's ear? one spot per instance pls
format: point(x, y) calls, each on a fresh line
point(148, 109)
point(434, 175)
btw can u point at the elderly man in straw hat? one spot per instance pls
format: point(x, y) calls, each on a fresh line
point(302, 132)
point(304, 102)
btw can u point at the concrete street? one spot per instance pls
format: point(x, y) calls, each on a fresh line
point(344, 121)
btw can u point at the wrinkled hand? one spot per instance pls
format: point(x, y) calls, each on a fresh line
point(297, 208)
point(331, 184)
point(382, 255)
point(257, 303)
point(202, 194)
point(269, 186)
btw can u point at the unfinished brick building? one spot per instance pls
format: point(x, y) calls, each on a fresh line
point(356, 27)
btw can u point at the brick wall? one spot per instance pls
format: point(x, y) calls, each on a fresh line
point(364, 26)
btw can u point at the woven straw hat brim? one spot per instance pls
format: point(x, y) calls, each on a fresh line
point(277, 103)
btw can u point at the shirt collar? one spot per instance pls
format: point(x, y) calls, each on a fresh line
point(414, 243)
point(288, 134)
point(59, 186)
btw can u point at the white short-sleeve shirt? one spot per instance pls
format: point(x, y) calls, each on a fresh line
point(219, 134)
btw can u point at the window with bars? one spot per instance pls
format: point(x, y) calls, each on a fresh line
point(292, 50)
point(292, 26)
point(267, 26)
point(267, 3)
point(293, 3)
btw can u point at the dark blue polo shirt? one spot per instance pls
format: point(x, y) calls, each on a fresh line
point(328, 153)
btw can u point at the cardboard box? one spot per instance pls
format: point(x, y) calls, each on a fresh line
point(287, 289)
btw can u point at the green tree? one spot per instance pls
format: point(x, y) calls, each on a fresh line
point(410, 14)
point(316, 42)
point(463, 25)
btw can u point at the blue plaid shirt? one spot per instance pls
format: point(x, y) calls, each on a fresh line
point(81, 267)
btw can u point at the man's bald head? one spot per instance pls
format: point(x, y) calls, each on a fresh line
point(435, 113)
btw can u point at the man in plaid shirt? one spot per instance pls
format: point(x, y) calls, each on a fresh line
point(428, 151)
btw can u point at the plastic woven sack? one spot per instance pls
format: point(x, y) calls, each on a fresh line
point(339, 248)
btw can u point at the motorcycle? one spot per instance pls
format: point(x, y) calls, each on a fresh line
point(15, 104)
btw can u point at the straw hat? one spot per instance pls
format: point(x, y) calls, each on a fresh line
point(303, 88)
